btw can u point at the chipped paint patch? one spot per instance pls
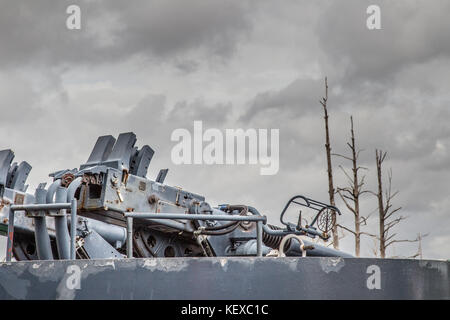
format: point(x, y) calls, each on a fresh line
point(96, 266)
point(293, 265)
point(62, 292)
point(15, 287)
point(149, 264)
point(331, 264)
point(441, 266)
point(100, 278)
point(163, 264)
point(6, 264)
point(248, 262)
point(223, 263)
point(105, 263)
point(44, 271)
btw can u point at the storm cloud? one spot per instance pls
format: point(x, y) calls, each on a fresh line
point(155, 66)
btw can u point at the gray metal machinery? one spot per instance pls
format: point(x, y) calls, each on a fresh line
point(118, 212)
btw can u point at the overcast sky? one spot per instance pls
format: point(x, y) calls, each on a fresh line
point(159, 65)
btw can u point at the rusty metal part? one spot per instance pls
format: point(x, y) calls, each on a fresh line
point(124, 176)
point(94, 178)
point(19, 198)
point(152, 199)
point(66, 179)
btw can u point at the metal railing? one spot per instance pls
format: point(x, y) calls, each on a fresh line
point(155, 216)
point(72, 205)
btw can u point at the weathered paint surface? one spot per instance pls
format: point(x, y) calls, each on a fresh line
point(226, 278)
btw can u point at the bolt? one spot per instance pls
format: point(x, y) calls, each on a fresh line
point(152, 199)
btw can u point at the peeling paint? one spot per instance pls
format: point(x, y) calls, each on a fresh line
point(15, 287)
point(248, 262)
point(105, 263)
point(62, 292)
point(149, 264)
point(438, 265)
point(223, 262)
point(6, 264)
point(44, 271)
point(293, 265)
point(159, 278)
point(331, 264)
point(164, 264)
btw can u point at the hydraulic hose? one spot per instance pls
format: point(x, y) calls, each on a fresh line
point(227, 227)
point(273, 235)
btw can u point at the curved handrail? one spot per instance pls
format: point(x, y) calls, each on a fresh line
point(310, 203)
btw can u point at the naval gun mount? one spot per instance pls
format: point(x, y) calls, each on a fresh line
point(135, 238)
point(119, 212)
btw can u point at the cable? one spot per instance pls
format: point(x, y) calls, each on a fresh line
point(227, 227)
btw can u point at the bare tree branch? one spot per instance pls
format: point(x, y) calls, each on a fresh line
point(388, 218)
point(347, 229)
point(339, 155)
point(331, 190)
point(350, 194)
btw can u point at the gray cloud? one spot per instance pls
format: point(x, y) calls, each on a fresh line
point(160, 65)
point(115, 31)
point(297, 98)
point(413, 32)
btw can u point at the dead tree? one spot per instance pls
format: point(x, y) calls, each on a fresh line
point(331, 190)
point(419, 239)
point(387, 212)
point(350, 195)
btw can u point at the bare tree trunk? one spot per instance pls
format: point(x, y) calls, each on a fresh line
point(356, 189)
point(331, 190)
point(379, 158)
point(386, 211)
point(419, 250)
point(350, 194)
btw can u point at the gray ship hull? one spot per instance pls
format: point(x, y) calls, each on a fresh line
point(226, 278)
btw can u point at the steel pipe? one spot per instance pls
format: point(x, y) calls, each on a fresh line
point(27, 207)
point(40, 206)
point(72, 189)
point(168, 223)
point(73, 227)
point(180, 216)
point(51, 191)
point(285, 239)
point(41, 236)
point(61, 229)
point(318, 251)
point(9, 244)
point(129, 237)
point(111, 233)
point(161, 216)
point(259, 237)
